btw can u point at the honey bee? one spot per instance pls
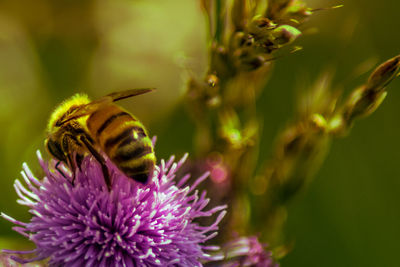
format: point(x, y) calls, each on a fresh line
point(79, 126)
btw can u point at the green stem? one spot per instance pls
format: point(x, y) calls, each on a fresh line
point(218, 21)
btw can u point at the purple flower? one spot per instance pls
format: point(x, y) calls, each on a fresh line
point(245, 252)
point(132, 225)
point(5, 261)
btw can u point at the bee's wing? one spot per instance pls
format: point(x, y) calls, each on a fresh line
point(84, 110)
point(88, 109)
point(128, 93)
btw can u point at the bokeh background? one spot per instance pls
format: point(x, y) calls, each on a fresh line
point(49, 50)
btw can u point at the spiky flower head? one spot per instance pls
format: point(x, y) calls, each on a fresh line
point(6, 261)
point(245, 252)
point(131, 225)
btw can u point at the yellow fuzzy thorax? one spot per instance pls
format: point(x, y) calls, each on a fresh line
point(75, 100)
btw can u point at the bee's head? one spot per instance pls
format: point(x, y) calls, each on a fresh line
point(55, 129)
point(63, 110)
point(55, 149)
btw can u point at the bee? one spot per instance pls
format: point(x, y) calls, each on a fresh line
point(79, 126)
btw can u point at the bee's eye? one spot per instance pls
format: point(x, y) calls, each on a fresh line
point(54, 149)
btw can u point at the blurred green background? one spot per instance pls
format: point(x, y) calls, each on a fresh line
point(49, 50)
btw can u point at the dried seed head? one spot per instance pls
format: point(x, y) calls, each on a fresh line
point(363, 102)
point(285, 10)
point(285, 34)
point(212, 80)
point(318, 122)
point(252, 62)
point(277, 7)
point(366, 99)
point(383, 74)
point(260, 27)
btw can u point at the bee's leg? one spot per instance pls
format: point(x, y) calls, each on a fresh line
point(72, 165)
point(99, 158)
point(66, 142)
point(79, 159)
point(59, 170)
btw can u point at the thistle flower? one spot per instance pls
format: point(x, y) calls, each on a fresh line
point(6, 261)
point(246, 252)
point(132, 225)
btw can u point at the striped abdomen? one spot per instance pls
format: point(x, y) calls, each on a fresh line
point(124, 140)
